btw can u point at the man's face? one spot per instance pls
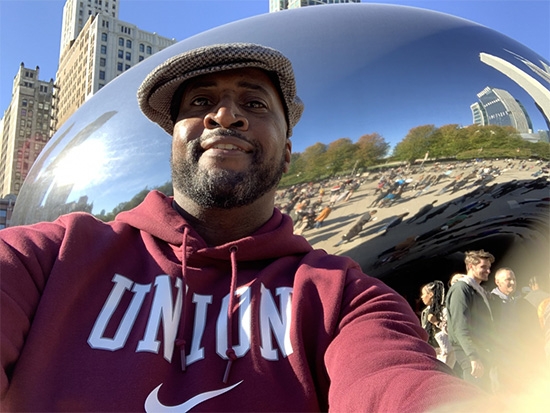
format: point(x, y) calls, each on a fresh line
point(481, 270)
point(230, 145)
point(506, 282)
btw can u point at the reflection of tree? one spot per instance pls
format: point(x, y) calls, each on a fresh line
point(339, 155)
point(416, 143)
point(134, 202)
point(321, 160)
point(370, 149)
point(449, 141)
point(452, 141)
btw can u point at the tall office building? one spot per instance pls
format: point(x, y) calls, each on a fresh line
point(104, 48)
point(478, 114)
point(277, 5)
point(502, 109)
point(76, 14)
point(26, 127)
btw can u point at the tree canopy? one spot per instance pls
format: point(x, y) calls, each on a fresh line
point(342, 156)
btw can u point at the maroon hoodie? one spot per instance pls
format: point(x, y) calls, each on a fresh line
point(133, 315)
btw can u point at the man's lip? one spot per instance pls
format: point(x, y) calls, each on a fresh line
point(225, 143)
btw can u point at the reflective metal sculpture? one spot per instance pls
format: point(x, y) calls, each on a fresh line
point(360, 68)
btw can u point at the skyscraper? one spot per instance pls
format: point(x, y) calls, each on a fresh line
point(479, 115)
point(77, 12)
point(277, 5)
point(26, 128)
point(502, 109)
point(96, 47)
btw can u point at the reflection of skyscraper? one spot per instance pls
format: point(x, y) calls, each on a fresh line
point(535, 89)
point(479, 114)
point(498, 107)
point(277, 5)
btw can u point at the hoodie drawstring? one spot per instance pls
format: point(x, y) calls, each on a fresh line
point(230, 352)
point(180, 340)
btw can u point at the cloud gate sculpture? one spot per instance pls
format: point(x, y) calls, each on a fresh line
point(360, 68)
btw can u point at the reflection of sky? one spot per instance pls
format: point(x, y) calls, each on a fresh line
point(432, 81)
point(360, 69)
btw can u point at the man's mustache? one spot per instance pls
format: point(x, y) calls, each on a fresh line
point(223, 132)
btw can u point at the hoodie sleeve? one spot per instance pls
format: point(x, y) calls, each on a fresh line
point(380, 360)
point(27, 254)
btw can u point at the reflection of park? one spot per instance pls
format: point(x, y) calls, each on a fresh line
point(507, 214)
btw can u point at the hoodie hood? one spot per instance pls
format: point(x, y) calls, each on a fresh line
point(156, 216)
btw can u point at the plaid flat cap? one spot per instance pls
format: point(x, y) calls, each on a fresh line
point(157, 90)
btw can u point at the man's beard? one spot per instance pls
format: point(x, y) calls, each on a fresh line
point(220, 188)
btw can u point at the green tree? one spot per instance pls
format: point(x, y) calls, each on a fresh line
point(315, 160)
point(371, 149)
point(448, 140)
point(340, 156)
point(415, 144)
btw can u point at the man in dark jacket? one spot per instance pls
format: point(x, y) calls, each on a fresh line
point(470, 319)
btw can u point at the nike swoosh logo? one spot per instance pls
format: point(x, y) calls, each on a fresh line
point(153, 404)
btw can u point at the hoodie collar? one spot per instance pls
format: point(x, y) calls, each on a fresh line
point(156, 216)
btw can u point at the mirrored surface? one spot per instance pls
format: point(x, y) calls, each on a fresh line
point(360, 69)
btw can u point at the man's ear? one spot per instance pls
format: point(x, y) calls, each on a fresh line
point(288, 152)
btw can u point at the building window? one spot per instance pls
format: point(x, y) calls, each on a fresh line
point(128, 44)
point(141, 58)
point(102, 74)
point(128, 56)
point(121, 41)
point(149, 50)
point(142, 48)
point(127, 67)
point(24, 103)
point(23, 112)
point(103, 37)
point(119, 66)
point(102, 61)
point(103, 49)
point(120, 54)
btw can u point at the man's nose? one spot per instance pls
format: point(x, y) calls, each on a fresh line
point(226, 115)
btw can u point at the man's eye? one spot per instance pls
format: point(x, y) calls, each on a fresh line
point(255, 104)
point(200, 102)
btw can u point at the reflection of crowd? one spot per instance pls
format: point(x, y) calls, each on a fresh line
point(504, 326)
point(311, 204)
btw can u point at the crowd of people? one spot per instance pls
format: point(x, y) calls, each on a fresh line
point(493, 339)
point(310, 204)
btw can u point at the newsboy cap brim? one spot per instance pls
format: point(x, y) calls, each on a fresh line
point(156, 93)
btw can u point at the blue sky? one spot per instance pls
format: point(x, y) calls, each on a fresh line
point(30, 30)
